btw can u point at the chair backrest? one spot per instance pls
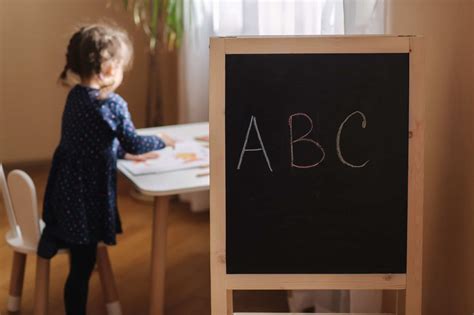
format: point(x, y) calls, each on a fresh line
point(25, 206)
point(14, 229)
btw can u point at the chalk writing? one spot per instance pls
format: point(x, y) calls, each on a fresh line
point(253, 122)
point(338, 140)
point(303, 139)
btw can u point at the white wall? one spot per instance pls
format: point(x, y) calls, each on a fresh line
point(33, 40)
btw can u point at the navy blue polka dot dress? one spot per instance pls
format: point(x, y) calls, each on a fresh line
point(80, 203)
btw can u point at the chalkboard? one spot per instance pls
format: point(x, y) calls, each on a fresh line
point(316, 149)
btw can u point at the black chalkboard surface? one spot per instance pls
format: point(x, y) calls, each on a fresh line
point(316, 163)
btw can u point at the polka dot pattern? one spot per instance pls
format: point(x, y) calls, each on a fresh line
point(80, 204)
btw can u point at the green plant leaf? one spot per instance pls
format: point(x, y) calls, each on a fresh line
point(174, 22)
point(149, 13)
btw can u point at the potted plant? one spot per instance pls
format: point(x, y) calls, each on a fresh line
point(162, 21)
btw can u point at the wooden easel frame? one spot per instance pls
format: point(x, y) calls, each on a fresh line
point(222, 284)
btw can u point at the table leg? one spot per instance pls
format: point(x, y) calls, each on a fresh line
point(158, 255)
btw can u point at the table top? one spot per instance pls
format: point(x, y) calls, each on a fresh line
point(175, 182)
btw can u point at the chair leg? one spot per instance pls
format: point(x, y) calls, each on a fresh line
point(108, 282)
point(16, 282)
point(42, 287)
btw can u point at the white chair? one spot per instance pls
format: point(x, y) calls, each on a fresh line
point(19, 196)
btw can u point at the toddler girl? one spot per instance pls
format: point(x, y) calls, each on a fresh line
point(80, 207)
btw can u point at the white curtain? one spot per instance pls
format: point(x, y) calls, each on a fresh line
point(207, 18)
point(260, 17)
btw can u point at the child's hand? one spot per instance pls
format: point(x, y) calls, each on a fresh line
point(170, 142)
point(141, 157)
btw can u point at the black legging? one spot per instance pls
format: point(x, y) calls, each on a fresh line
point(83, 258)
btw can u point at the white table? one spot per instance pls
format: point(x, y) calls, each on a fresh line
point(162, 187)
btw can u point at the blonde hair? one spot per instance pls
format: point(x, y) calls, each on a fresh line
point(91, 47)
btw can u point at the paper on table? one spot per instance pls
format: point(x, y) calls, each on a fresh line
point(186, 154)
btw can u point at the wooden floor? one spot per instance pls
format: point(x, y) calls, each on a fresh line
point(188, 276)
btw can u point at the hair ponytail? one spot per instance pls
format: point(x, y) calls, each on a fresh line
point(63, 76)
point(72, 56)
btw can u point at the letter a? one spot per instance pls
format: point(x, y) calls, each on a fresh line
point(303, 139)
point(253, 122)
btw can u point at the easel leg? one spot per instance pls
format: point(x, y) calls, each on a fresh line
point(158, 255)
point(413, 294)
point(221, 301)
point(414, 272)
point(230, 302)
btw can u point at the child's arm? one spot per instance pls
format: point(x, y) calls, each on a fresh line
point(141, 157)
point(124, 129)
point(120, 151)
point(121, 154)
point(133, 143)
